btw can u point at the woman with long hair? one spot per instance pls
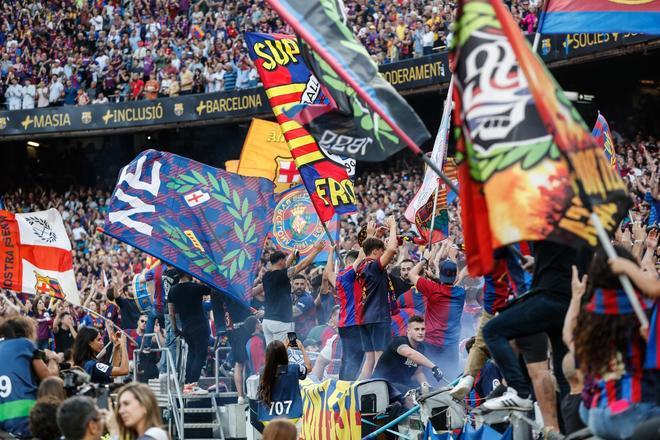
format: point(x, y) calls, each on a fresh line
point(280, 430)
point(279, 391)
point(137, 414)
point(88, 344)
point(620, 392)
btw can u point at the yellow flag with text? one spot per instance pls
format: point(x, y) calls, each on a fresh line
point(266, 154)
point(330, 411)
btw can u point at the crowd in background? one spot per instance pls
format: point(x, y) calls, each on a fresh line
point(105, 269)
point(93, 52)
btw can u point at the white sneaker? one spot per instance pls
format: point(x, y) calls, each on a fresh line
point(198, 391)
point(509, 400)
point(462, 388)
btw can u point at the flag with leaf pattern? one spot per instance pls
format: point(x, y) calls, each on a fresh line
point(203, 220)
point(529, 168)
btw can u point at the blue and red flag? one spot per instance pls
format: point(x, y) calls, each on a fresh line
point(601, 132)
point(203, 220)
point(595, 16)
point(288, 82)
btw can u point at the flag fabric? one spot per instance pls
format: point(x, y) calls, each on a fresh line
point(205, 221)
point(529, 169)
point(288, 81)
point(296, 225)
point(232, 166)
point(266, 154)
point(433, 192)
point(36, 255)
point(330, 411)
point(596, 16)
point(373, 121)
point(601, 132)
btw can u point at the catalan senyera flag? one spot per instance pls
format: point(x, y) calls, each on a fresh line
point(428, 208)
point(288, 82)
point(266, 154)
point(331, 411)
point(595, 16)
point(601, 132)
point(529, 168)
point(36, 255)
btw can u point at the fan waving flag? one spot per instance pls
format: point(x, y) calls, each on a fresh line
point(372, 120)
point(421, 208)
point(36, 255)
point(288, 82)
point(596, 16)
point(529, 169)
point(603, 137)
point(205, 221)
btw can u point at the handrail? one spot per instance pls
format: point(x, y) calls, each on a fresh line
point(216, 361)
point(171, 373)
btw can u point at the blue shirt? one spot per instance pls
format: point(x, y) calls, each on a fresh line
point(286, 400)
point(377, 292)
point(18, 385)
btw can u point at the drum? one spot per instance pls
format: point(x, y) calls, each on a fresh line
point(143, 297)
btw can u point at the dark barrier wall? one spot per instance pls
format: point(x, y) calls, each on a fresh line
point(404, 75)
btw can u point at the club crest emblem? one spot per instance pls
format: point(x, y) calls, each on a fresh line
point(48, 286)
point(178, 109)
point(86, 117)
point(295, 222)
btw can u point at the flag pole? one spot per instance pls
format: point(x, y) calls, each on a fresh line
point(333, 243)
point(366, 97)
point(539, 28)
point(435, 205)
point(623, 279)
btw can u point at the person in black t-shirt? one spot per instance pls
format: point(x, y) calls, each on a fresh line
point(185, 299)
point(128, 310)
point(401, 363)
point(64, 331)
point(278, 315)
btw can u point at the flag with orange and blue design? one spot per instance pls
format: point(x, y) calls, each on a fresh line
point(601, 132)
point(288, 82)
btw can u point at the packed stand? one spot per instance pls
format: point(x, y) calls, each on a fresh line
point(395, 310)
point(84, 52)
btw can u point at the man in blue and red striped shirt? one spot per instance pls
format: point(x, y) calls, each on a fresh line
point(444, 307)
point(348, 295)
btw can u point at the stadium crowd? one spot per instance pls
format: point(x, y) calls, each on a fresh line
point(432, 311)
point(94, 52)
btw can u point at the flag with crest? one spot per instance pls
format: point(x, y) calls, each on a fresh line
point(529, 168)
point(601, 132)
point(287, 82)
point(205, 221)
point(36, 254)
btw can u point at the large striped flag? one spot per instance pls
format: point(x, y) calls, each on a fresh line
point(595, 16)
point(601, 132)
point(36, 255)
point(529, 168)
point(289, 82)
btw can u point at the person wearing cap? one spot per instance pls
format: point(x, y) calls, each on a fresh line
point(444, 308)
point(618, 359)
point(80, 419)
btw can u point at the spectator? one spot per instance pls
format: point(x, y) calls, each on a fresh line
point(152, 87)
point(255, 346)
point(14, 94)
point(186, 80)
point(304, 312)
point(138, 415)
point(174, 86)
point(280, 430)
point(29, 93)
point(377, 292)
point(56, 90)
point(22, 366)
point(70, 94)
point(43, 419)
point(42, 95)
point(82, 98)
point(100, 99)
point(137, 87)
point(229, 77)
point(52, 388)
point(279, 391)
point(88, 345)
point(185, 299)
point(79, 419)
point(278, 316)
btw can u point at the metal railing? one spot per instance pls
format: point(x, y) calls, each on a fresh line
point(217, 365)
point(175, 399)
